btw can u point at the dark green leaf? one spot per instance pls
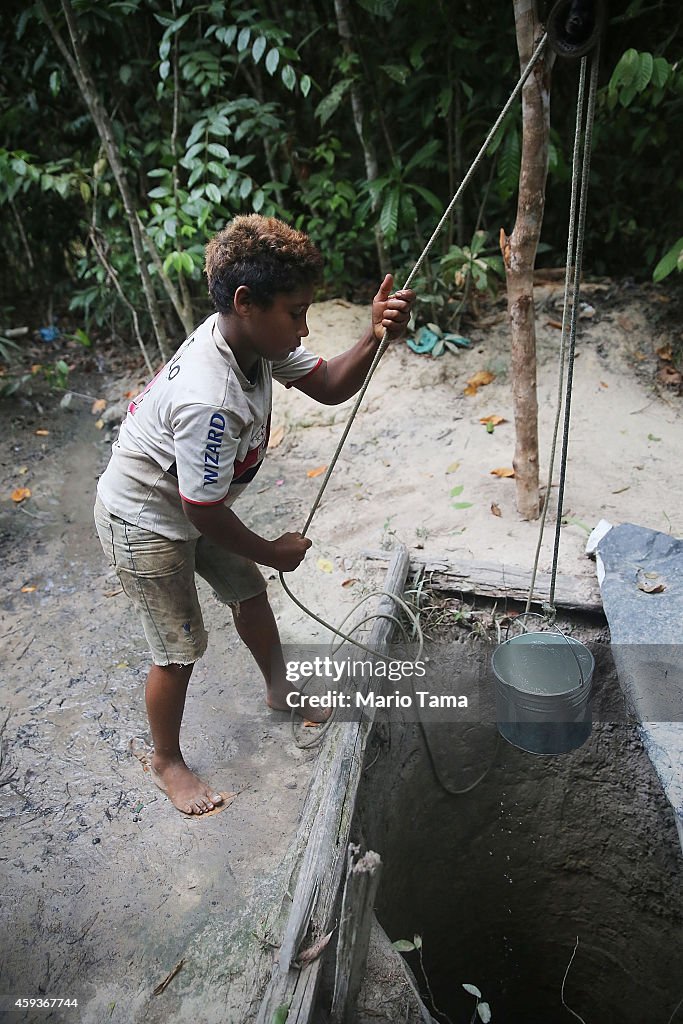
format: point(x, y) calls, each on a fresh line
point(396, 72)
point(645, 68)
point(329, 103)
point(258, 49)
point(668, 262)
point(216, 149)
point(281, 1014)
point(403, 945)
point(661, 70)
point(388, 218)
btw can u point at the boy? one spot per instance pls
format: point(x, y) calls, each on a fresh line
point(191, 442)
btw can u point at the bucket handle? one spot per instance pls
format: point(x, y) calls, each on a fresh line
point(554, 625)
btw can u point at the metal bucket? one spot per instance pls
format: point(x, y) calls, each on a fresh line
point(543, 690)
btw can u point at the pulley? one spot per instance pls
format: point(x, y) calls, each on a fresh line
point(574, 26)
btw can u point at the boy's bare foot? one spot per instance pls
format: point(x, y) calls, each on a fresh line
point(185, 790)
point(276, 699)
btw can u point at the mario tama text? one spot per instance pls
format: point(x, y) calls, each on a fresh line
point(409, 688)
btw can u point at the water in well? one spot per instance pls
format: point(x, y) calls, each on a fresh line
point(501, 880)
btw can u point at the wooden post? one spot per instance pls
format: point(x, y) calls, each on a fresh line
point(519, 254)
point(362, 879)
point(323, 838)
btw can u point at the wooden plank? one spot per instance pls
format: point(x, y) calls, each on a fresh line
point(362, 879)
point(323, 838)
point(495, 580)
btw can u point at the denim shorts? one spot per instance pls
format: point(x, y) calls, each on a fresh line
point(158, 575)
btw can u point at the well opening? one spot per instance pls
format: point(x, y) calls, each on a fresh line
point(500, 881)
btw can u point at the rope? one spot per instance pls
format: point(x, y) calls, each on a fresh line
point(565, 310)
point(578, 264)
point(572, 283)
point(384, 342)
point(575, 242)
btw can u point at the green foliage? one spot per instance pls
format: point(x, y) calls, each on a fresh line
point(8, 349)
point(672, 260)
point(642, 104)
point(453, 285)
point(471, 262)
point(221, 109)
point(482, 1010)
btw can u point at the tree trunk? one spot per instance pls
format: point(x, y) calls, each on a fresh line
point(86, 84)
point(341, 9)
point(519, 254)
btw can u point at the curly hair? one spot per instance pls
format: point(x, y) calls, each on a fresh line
point(263, 253)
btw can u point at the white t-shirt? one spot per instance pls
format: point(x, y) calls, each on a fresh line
point(199, 431)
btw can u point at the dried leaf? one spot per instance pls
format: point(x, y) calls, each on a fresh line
point(42, 433)
point(317, 471)
point(669, 376)
point(314, 951)
point(98, 406)
point(481, 378)
point(20, 494)
point(276, 437)
point(22, 471)
point(650, 582)
point(36, 368)
point(99, 424)
point(493, 420)
point(665, 353)
point(350, 582)
point(495, 509)
point(168, 979)
point(28, 590)
point(453, 467)
point(502, 471)
point(325, 565)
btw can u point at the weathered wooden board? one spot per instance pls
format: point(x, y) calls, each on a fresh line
point(362, 878)
point(323, 837)
point(490, 579)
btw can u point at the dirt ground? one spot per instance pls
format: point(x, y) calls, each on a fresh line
point(106, 887)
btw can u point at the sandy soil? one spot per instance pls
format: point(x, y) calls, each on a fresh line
point(106, 887)
point(418, 437)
